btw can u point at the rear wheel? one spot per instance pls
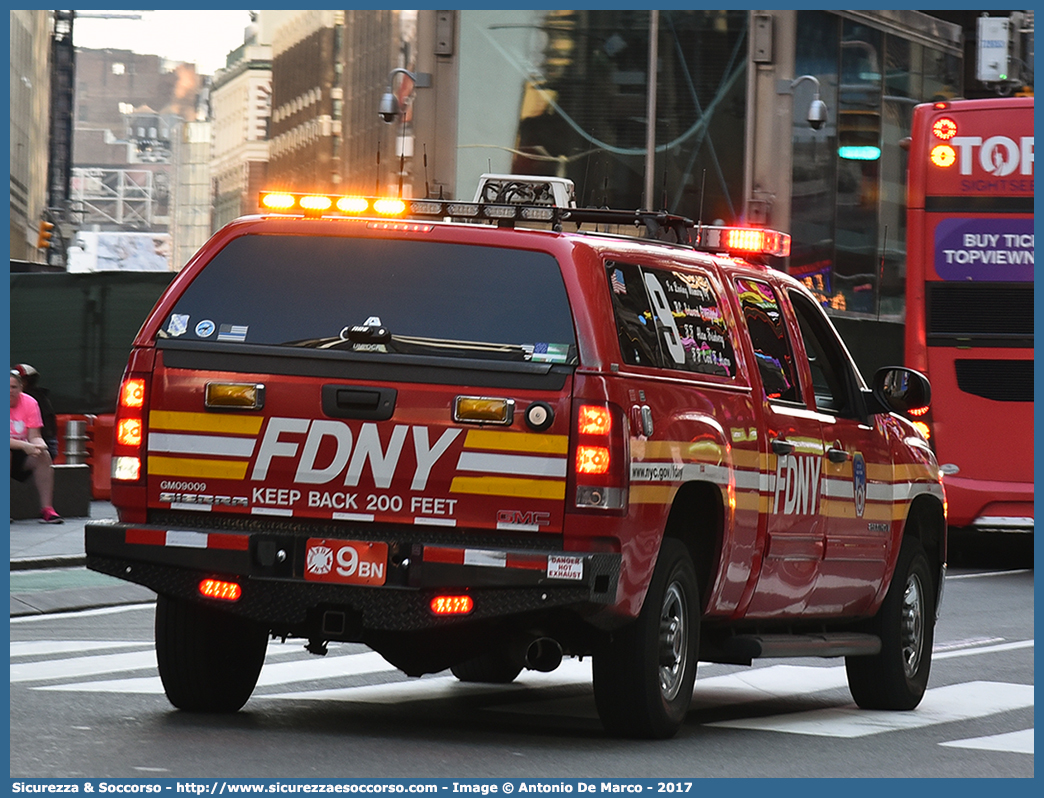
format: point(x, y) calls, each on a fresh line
point(643, 679)
point(493, 667)
point(208, 660)
point(896, 678)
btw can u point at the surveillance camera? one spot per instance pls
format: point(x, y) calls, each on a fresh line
point(817, 114)
point(388, 110)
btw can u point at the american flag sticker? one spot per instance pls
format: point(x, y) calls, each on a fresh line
point(232, 332)
point(617, 281)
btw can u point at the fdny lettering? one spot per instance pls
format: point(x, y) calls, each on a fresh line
point(797, 481)
point(350, 456)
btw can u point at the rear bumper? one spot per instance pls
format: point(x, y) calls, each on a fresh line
point(269, 567)
point(989, 505)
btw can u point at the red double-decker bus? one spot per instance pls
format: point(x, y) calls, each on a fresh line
point(969, 302)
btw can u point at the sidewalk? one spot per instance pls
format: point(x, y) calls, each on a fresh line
point(48, 573)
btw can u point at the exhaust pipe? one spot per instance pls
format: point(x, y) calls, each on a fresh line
point(543, 654)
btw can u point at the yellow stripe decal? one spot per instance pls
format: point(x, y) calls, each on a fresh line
point(507, 486)
point(205, 422)
point(652, 494)
point(200, 469)
point(516, 442)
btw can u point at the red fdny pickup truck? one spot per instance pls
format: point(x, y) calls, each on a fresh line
point(430, 427)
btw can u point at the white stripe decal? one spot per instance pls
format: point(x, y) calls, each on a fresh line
point(187, 540)
point(199, 508)
point(435, 521)
point(352, 516)
point(282, 511)
point(201, 444)
point(496, 559)
point(517, 464)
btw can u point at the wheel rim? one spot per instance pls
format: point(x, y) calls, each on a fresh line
point(674, 637)
point(912, 626)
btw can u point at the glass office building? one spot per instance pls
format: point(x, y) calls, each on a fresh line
point(565, 93)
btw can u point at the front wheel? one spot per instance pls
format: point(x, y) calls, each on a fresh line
point(208, 660)
point(896, 678)
point(644, 677)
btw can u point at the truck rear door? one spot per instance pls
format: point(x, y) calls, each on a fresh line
point(405, 380)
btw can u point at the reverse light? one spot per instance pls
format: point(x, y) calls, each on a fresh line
point(126, 469)
point(132, 393)
point(452, 605)
point(944, 128)
point(943, 155)
point(129, 432)
point(218, 589)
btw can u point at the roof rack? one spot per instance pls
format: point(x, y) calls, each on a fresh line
point(658, 225)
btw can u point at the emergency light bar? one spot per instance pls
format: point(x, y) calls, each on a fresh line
point(659, 225)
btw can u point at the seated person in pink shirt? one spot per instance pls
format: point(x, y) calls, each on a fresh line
point(29, 455)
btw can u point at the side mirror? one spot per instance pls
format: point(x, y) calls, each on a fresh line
point(899, 390)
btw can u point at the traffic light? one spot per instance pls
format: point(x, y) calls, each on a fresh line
point(43, 238)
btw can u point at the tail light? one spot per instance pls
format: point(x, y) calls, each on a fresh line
point(921, 418)
point(599, 458)
point(128, 446)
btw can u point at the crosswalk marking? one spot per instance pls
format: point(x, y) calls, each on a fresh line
point(566, 692)
point(40, 648)
point(1019, 742)
point(940, 705)
point(330, 666)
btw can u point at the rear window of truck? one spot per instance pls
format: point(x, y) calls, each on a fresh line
point(379, 295)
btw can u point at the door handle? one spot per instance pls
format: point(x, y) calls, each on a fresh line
point(781, 446)
point(837, 455)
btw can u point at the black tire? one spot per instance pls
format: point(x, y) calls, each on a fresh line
point(644, 677)
point(490, 667)
point(896, 678)
point(208, 660)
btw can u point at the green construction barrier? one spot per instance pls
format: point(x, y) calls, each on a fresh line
point(77, 330)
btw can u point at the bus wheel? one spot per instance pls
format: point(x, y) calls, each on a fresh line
point(492, 667)
point(208, 660)
point(896, 677)
point(643, 678)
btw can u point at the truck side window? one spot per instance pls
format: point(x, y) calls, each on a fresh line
point(670, 319)
point(832, 379)
point(768, 335)
point(635, 322)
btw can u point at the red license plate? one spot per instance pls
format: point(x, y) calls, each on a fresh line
point(349, 562)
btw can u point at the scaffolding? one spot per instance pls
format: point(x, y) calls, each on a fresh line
point(130, 199)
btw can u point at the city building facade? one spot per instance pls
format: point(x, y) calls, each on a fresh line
point(30, 120)
point(240, 110)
